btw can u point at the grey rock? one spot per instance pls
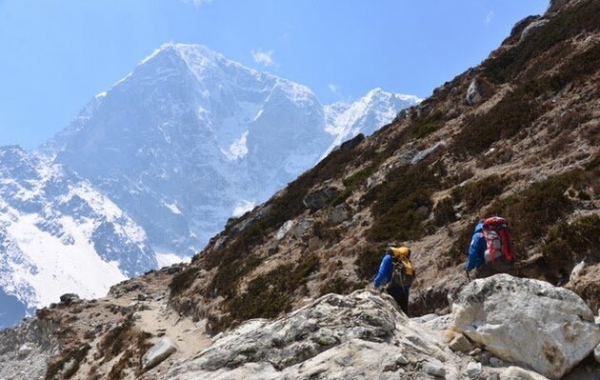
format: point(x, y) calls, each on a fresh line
point(164, 348)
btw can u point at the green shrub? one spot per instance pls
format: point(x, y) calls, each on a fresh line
point(457, 254)
point(338, 285)
point(578, 19)
point(113, 343)
point(594, 163)
point(538, 207)
point(77, 354)
point(402, 203)
point(230, 273)
point(368, 261)
point(118, 369)
point(426, 125)
point(511, 115)
point(182, 280)
point(270, 294)
point(576, 240)
point(325, 231)
point(444, 213)
point(476, 194)
point(352, 183)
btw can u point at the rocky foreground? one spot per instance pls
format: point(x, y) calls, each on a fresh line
point(500, 328)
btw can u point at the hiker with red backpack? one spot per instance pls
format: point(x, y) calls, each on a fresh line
point(490, 251)
point(396, 274)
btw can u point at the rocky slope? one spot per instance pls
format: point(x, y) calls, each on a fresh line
point(515, 136)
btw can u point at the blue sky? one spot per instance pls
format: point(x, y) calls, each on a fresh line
point(57, 54)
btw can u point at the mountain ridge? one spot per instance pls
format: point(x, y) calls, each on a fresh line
point(516, 136)
point(177, 146)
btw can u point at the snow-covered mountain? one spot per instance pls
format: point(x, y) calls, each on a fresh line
point(154, 167)
point(58, 234)
point(189, 139)
point(377, 108)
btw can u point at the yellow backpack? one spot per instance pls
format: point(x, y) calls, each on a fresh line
point(404, 272)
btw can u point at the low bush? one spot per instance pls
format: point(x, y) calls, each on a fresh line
point(270, 294)
point(402, 203)
point(444, 213)
point(338, 285)
point(477, 194)
point(511, 115)
point(183, 280)
point(570, 22)
point(368, 261)
point(75, 354)
point(426, 125)
point(576, 241)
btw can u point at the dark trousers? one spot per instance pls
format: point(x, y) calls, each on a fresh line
point(400, 295)
point(490, 269)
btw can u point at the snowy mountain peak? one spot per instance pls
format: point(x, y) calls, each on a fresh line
point(59, 235)
point(378, 94)
point(154, 167)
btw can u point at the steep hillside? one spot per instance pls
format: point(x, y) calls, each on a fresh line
point(517, 136)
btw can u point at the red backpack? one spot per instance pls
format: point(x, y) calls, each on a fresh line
point(498, 238)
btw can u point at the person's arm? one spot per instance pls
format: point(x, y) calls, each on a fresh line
point(385, 269)
point(476, 250)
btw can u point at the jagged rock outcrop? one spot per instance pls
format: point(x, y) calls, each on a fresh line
point(159, 352)
point(363, 335)
point(25, 349)
point(530, 322)
point(360, 336)
point(519, 325)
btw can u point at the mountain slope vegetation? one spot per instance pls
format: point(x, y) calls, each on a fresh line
point(526, 148)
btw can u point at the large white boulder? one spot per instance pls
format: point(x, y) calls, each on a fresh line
point(361, 336)
point(528, 322)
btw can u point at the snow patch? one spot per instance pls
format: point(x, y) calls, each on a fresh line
point(238, 149)
point(166, 259)
point(243, 208)
point(59, 268)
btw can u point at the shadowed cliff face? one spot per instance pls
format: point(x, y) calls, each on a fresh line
point(516, 136)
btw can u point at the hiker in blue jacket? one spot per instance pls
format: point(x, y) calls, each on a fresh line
point(476, 259)
point(398, 291)
point(476, 249)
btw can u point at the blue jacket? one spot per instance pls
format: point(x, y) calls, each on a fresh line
point(476, 249)
point(386, 269)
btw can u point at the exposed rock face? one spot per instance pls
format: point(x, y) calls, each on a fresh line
point(527, 321)
point(360, 336)
point(24, 350)
point(159, 352)
point(531, 28)
point(363, 335)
